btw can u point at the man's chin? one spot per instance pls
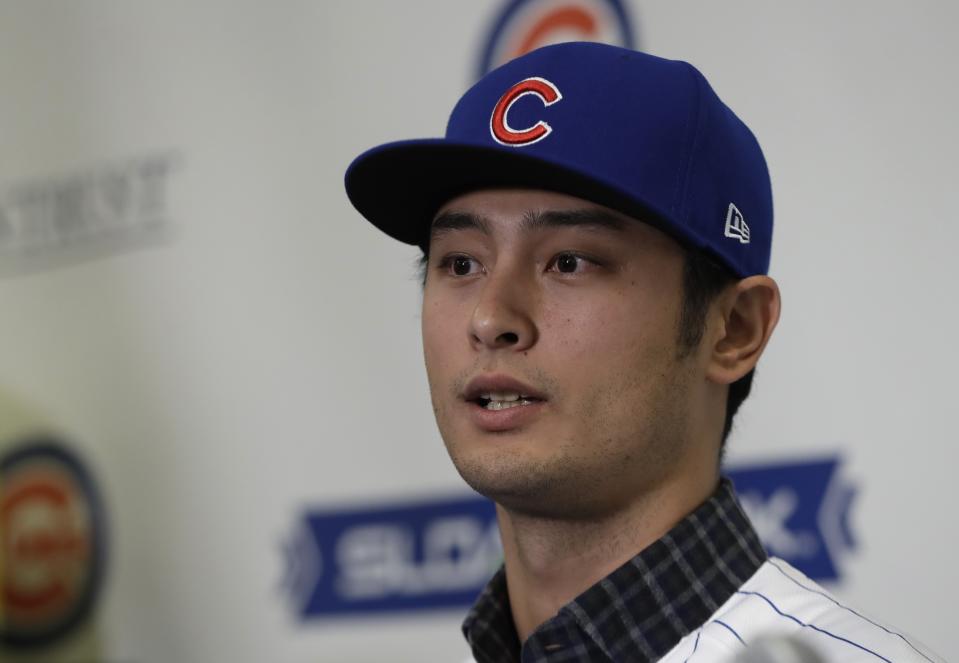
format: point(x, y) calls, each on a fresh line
point(530, 489)
point(499, 477)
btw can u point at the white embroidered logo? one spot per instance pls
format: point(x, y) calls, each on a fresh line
point(736, 226)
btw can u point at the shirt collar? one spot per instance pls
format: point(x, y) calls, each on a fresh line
point(642, 609)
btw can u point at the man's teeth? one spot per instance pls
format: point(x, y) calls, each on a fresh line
point(501, 396)
point(502, 400)
point(504, 405)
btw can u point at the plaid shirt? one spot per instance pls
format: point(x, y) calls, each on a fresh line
point(642, 609)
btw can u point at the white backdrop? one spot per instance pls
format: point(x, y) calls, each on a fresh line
point(251, 350)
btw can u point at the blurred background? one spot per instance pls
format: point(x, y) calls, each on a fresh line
point(216, 442)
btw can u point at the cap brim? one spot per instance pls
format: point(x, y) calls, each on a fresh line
point(400, 186)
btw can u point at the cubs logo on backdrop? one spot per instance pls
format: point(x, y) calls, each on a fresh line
point(521, 26)
point(51, 543)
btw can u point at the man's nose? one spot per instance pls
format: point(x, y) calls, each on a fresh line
point(504, 314)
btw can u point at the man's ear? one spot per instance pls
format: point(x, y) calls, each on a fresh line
point(747, 315)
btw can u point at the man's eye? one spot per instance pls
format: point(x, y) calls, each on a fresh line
point(568, 263)
point(460, 265)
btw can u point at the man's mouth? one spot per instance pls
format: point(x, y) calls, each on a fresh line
point(503, 400)
point(501, 403)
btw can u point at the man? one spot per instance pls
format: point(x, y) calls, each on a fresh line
point(596, 228)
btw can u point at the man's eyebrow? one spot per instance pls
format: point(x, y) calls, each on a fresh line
point(590, 219)
point(447, 221)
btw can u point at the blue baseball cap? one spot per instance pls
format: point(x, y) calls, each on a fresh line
point(639, 134)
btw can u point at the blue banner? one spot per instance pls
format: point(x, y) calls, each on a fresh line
point(405, 557)
point(440, 553)
point(800, 511)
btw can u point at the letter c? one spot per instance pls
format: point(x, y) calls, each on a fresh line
point(499, 126)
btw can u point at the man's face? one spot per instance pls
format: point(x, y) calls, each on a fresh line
point(550, 330)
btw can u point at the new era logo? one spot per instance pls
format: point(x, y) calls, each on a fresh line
point(736, 227)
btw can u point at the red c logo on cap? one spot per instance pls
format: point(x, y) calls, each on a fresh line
point(499, 127)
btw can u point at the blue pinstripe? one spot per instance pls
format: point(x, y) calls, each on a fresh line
point(813, 626)
point(863, 617)
point(730, 629)
point(695, 645)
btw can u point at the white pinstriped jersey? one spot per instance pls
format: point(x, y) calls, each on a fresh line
point(702, 593)
point(780, 601)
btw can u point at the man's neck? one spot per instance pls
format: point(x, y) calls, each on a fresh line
point(549, 562)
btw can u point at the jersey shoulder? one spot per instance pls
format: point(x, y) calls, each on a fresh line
point(779, 602)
